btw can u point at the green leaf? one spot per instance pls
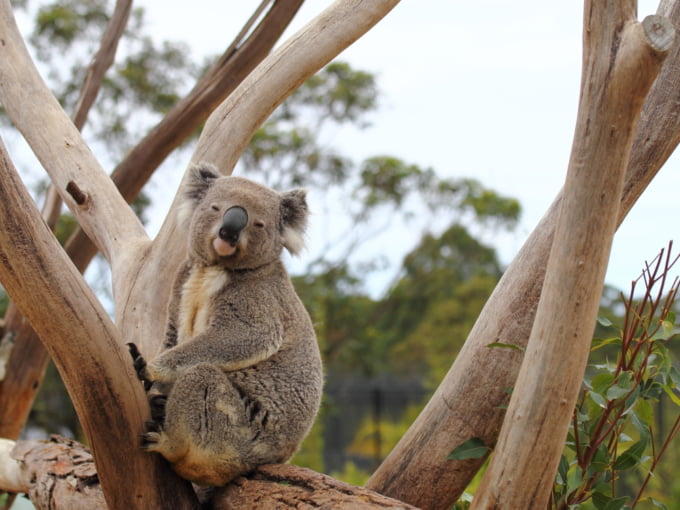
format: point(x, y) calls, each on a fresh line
point(506, 346)
point(674, 397)
point(598, 399)
point(616, 503)
point(600, 499)
point(601, 382)
point(656, 503)
point(562, 471)
point(601, 460)
point(623, 386)
point(651, 390)
point(603, 342)
point(603, 321)
point(665, 331)
point(616, 392)
point(624, 438)
point(471, 449)
point(631, 457)
point(674, 374)
point(642, 428)
point(645, 411)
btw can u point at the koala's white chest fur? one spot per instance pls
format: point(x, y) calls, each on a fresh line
point(196, 302)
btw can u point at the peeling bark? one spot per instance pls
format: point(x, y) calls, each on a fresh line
point(60, 474)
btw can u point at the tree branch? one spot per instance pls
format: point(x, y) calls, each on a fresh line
point(58, 145)
point(86, 347)
point(28, 358)
point(90, 89)
point(62, 471)
point(102, 61)
point(621, 62)
point(229, 129)
point(470, 400)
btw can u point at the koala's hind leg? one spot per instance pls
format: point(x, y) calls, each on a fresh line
point(209, 427)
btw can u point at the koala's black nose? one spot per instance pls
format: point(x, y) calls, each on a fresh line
point(233, 222)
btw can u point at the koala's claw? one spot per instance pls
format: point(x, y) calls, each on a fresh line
point(152, 436)
point(149, 440)
point(157, 405)
point(139, 363)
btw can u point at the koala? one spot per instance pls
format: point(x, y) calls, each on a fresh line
point(239, 380)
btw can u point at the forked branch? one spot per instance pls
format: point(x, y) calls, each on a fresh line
point(33, 109)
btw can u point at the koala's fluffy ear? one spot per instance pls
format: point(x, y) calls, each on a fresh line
point(199, 178)
point(294, 214)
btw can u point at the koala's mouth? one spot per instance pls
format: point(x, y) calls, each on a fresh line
point(223, 248)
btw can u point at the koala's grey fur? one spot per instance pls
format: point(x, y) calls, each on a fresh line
point(241, 367)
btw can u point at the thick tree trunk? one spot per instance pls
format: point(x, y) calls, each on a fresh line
point(60, 474)
point(27, 358)
point(471, 398)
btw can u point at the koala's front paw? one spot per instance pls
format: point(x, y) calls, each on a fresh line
point(150, 440)
point(139, 363)
point(153, 436)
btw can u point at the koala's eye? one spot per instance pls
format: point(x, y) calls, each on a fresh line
point(258, 224)
point(215, 207)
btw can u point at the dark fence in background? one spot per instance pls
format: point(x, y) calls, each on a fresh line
point(351, 401)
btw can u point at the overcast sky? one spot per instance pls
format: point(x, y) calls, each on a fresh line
point(485, 89)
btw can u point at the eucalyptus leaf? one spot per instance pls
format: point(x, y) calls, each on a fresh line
point(645, 412)
point(631, 457)
point(598, 343)
point(673, 396)
point(601, 382)
point(471, 449)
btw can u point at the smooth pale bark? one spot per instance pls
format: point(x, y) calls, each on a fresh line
point(621, 61)
point(90, 89)
point(73, 169)
point(471, 398)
